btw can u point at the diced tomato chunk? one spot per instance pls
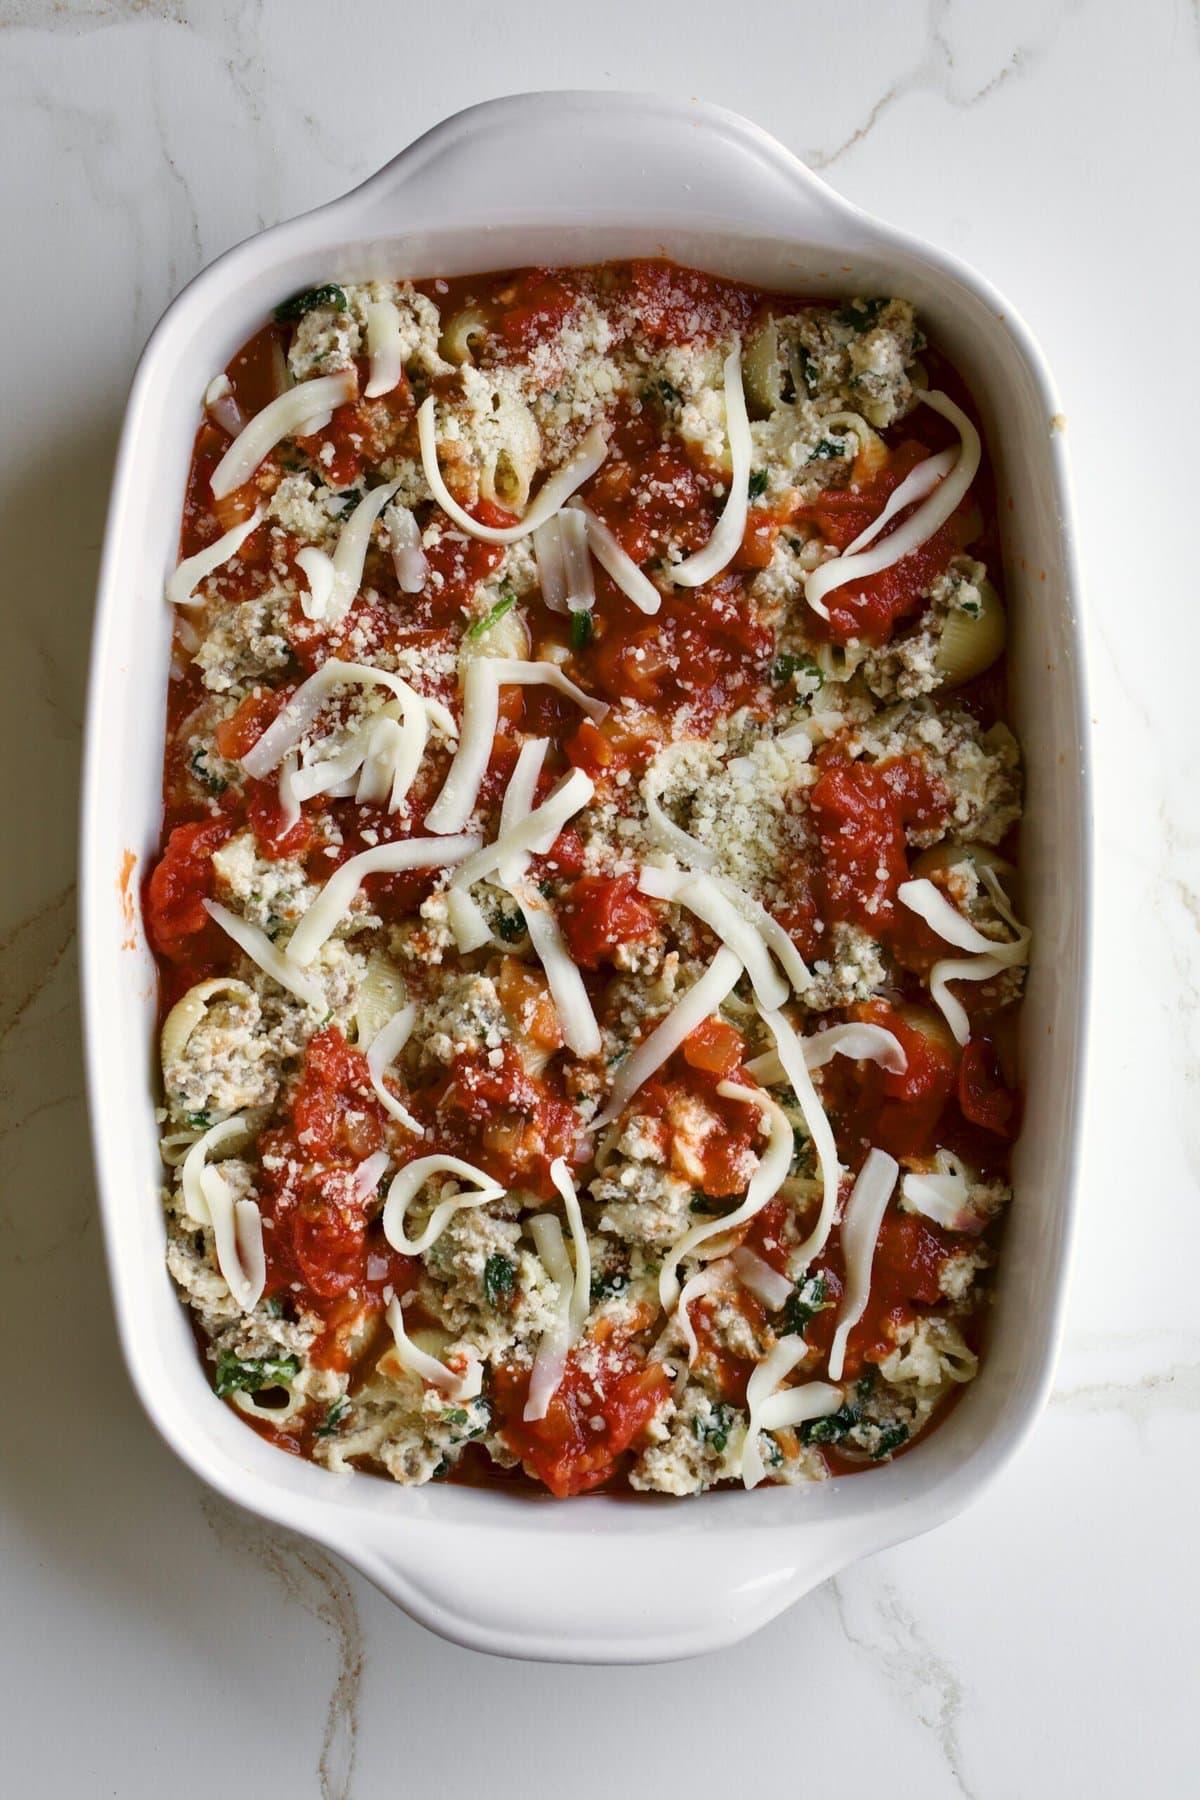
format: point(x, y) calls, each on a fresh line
point(596, 1414)
point(182, 880)
point(861, 811)
point(600, 914)
point(715, 1047)
point(982, 1094)
point(242, 730)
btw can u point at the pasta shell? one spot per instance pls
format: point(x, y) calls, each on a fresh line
point(461, 335)
point(380, 997)
point(763, 371)
point(187, 1013)
point(971, 642)
point(871, 452)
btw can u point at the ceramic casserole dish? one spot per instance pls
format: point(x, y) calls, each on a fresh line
point(581, 178)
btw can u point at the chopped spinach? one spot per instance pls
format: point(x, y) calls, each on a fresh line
point(582, 628)
point(510, 927)
point(199, 1121)
point(809, 370)
point(347, 502)
point(757, 484)
point(289, 312)
point(715, 1430)
point(786, 666)
point(499, 1283)
point(861, 314)
point(809, 1299)
point(208, 779)
point(828, 450)
point(832, 1428)
point(504, 604)
point(605, 1286)
point(456, 1416)
point(706, 1203)
point(669, 395)
point(890, 1439)
point(333, 1418)
point(256, 1373)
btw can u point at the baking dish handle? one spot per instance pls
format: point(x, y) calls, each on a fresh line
point(600, 1596)
point(559, 155)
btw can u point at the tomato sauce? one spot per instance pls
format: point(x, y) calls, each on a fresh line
point(679, 672)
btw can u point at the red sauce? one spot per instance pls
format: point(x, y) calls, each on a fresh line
point(704, 654)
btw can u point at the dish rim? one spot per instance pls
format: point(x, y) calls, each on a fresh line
point(397, 1576)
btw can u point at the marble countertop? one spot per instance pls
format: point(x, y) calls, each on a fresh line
point(153, 1639)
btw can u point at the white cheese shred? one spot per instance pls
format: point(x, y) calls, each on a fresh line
point(301, 410)
point(382, 1052)
point(727, 535)
point(226, 1133)
point(385, 348)
point(765, 1183)
point(536, 832)
point(480, 717)
point(771, 1408)
point(760, 1279)
point(617, 563)
point(407, 1184)
point(337, 896)
point(790, 1050)
point(930, 516)
point(181, 588)
point(941, 1194)
point(860, 1233)
point(988, 956)
point(333, 581)
point(699, 1003)
point(456, 1387)
point(551, 1359)
point(548, 500)
point(258, 947)
point(725, 909)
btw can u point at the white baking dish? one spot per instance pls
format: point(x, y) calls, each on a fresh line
point(579, 178)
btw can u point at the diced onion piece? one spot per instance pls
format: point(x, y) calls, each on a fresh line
point(536, 832)
point(551, 564)
point(292, 414)
point(467, 923)
point(860, 1234)
point(258, 947)
point(916, 530)
point(581, 584)
point(546, 502)
point(427, 1368)
point(765, 1183)
point(289, 797)
point(227, 1133)
point(221, 405)
point(617, 562)
point(316, 565)
point(791, 1054)
point(727, 535)
point(481, 711)
point(407, 1184)
point(771, 1410)
point(369, 1173)
point(385, 348)
point(181, 588)
point(701, 895)
point(922, 481)
point(699, 1003)
point(551, 1358)
point(382, 1052)
point(760, 1279)
point(288, 728)
point(408, 554)
point(337, 896)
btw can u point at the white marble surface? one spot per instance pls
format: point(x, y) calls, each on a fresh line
point(151, 1639)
